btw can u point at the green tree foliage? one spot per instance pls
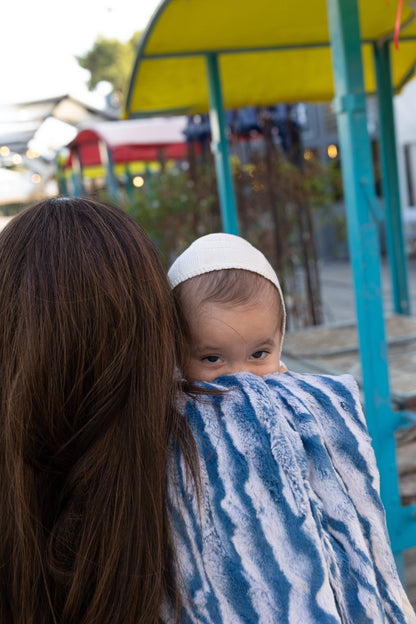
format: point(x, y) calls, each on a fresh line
point(110, 60)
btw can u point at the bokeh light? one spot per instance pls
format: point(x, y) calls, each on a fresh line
point(138, 181)
point(332, 151)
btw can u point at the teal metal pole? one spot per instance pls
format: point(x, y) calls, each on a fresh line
point(362, 215)
point(390, 181)
point(130, 189)
point(107, 161)
point(77, 178)
point(219, 147)
point(60, 176)
point(76, 190)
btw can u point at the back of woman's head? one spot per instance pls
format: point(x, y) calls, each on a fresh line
point(88, 345)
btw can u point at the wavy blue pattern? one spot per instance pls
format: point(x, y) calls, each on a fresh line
point(291, 529)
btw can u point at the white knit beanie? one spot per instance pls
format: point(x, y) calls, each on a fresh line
point(214, 252)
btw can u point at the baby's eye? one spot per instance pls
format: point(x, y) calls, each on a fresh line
point(212, 359)
point(258, 355)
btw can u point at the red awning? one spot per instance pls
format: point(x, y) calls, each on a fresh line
point(131, 140)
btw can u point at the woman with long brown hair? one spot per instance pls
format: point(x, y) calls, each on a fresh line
point(89, 345)
point(112, 510)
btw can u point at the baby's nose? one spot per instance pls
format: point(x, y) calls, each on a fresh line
point(241, 367)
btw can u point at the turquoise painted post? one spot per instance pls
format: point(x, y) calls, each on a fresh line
point(361, 205)
point(60, 176)
point(220, 148)
point(76, 191)
point(77, 181)
point(63, 187)
point(130, 189)
point(390, 181)
point(107, 161)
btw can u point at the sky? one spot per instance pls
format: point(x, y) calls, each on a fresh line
point(40, 38)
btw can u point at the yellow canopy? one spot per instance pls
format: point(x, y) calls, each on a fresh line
point(270, 51)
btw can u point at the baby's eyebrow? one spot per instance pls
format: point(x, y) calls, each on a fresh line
point(205, 349)
point(267, 342)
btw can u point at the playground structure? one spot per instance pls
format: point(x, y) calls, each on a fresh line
point(109, 150)
point(233, 54)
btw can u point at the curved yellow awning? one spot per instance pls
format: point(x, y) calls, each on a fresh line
point(270, 51)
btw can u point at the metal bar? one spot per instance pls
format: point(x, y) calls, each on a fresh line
point(400, 566)
point(252, 50)
point(130, 189)
point(163, 112)
point(239, 50)
point(219, 148)
point(402, 527)
point(356, 159)
point(107, 161)
point(60, 175)
point(77, 177)
point(390, 181)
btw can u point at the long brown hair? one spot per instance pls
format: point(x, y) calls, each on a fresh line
point(88, 361)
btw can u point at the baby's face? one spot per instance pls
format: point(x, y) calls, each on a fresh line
point(229, 338)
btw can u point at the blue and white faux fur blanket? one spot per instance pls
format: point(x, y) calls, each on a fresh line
point(290, 528)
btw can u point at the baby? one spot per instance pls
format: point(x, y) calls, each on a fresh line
point(231, 298)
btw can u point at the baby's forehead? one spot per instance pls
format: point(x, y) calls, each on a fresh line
point(228, 286)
